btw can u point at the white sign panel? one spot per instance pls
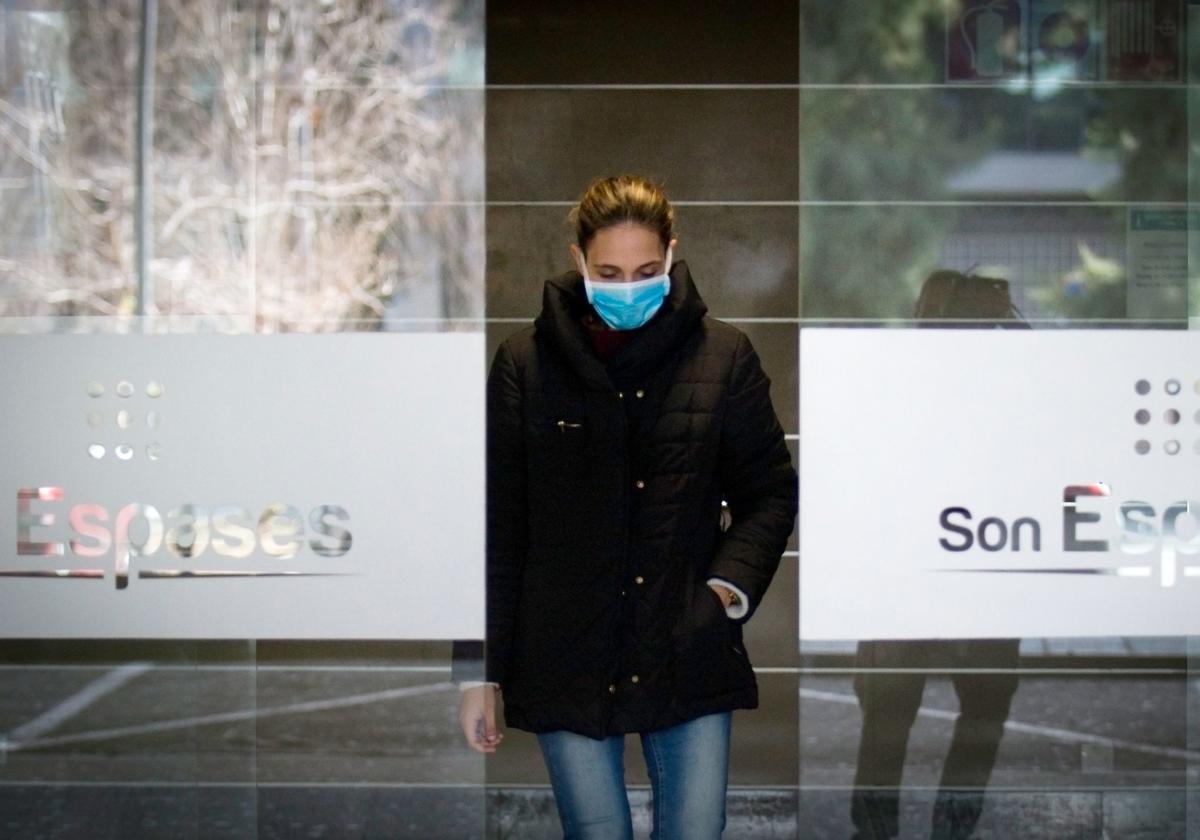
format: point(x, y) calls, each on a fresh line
point(999, 483)
point(242, 486)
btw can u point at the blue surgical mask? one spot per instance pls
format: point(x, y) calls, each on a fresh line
point(626, 306)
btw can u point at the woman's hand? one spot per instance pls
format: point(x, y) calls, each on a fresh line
point(723, 592)
point(477, 717)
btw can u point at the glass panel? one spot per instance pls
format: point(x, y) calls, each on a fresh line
point(981, 164)
point(315, 169)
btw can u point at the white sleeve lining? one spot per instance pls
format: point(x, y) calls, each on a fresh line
point(733, 610)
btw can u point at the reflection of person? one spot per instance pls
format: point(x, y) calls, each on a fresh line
point(890, 686)
point(889, 694)
point(617, 425)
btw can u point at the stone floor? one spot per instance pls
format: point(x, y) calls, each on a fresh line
point(527, 813)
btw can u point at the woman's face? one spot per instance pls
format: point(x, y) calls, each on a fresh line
point(623, 253)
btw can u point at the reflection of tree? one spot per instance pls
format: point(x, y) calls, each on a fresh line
point(1144, 132)
point(309, 162)
point(1093, 290)
point(860, 143)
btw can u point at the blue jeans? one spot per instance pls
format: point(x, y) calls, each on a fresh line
point(688, 765)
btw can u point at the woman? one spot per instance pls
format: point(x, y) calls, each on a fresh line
point(617, 425)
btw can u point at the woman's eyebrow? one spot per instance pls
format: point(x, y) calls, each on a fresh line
point(604, 266)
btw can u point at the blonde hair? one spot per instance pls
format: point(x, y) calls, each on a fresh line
point(621, 198)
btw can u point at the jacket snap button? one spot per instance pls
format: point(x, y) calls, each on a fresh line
point(621, 395)
point(640, 393)
point(634, 678)
point(639, 579)
point(639, 484)
point(612, 689)
point(622, 591)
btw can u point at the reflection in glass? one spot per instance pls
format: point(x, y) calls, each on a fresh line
point(195, 528)
point(891, 678)
point(889, 700)
point(310, 166)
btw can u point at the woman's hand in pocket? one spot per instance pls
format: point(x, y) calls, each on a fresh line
point(723, 592)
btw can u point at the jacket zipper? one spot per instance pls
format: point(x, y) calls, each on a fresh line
point(563, 425)
point(625, 501)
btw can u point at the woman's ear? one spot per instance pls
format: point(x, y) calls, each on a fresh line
point(576, 256)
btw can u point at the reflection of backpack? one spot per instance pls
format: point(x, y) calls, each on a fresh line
point(977, 301)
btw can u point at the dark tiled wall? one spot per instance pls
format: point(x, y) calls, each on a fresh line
point(702, 98)
point(546, 42)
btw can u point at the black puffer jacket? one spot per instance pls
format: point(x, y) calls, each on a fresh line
point(600, 540)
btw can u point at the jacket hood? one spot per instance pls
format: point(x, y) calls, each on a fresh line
point(564, 303)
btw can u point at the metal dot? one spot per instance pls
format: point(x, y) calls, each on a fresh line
point(124, 388)
point(1142, 387)
point(1171, 447)
point(153, 451)
point(154, 389)
point(152, 419)
point(1142, 447)
point(124, 418)
point(124, 451)
point(1171, 416)
point(95, 419)
point(96, 450)
point(1172, 386)
point(1142, 416)
point(95, 388)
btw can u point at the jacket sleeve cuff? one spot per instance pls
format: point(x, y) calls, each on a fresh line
point(734, 610)
point(465, 684)
point(467, 661)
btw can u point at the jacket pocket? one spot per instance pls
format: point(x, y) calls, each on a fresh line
point(709, 658)
point(558, 459)
point(557, 435)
